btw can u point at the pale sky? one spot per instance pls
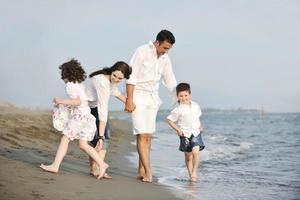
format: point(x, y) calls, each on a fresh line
point(233, 53)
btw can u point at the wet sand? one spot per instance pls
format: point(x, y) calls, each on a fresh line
point(28, 139)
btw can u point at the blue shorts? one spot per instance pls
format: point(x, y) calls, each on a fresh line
point(187, 144)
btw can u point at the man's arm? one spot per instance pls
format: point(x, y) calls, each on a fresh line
point(135, 63)
point(129, 105)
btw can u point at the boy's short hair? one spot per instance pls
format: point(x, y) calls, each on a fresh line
point(183, 87)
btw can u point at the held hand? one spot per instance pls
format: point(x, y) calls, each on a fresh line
point(129, 106)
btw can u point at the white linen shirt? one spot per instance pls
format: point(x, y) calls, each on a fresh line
point(99, 88)
point(147, 71)
point(75, 90)
point(187, 118)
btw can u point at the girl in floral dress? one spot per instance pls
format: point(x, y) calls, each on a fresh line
point(72, 117)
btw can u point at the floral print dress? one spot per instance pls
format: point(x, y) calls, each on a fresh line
point(76, 122)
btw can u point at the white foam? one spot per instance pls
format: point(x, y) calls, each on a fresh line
point(224, 151)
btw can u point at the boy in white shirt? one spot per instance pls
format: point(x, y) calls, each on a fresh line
point(184, 119)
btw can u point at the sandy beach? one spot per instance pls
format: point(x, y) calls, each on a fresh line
point(28, 139)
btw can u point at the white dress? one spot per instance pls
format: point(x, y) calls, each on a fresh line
point(76, 122)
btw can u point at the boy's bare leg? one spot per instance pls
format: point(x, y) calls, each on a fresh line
point(189, 162)
point(60, 154)
point(196, 159)
point(143, 146)
point(95, 156)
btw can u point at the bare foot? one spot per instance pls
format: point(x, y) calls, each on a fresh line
point(102, 170)
point(147, 179)
point(94, 170)
point(49, 168)
point(140, 175)
point(106, 176)
point(194, 179)
point(94, 173)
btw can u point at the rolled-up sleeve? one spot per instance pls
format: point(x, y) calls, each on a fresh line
point(168, 78)
point(199, 112)
point(173, 116)
point(103, 93)
point(71, 90)
point(135, 63)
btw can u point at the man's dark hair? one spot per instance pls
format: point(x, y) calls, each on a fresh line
point(183, 87)
point(165, 35)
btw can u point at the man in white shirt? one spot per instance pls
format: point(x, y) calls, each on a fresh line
point(150, 63)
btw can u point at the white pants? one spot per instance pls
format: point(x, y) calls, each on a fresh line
point(144, 119)
point(144, 115)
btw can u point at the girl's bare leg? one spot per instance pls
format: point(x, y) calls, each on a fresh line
point(60, 154)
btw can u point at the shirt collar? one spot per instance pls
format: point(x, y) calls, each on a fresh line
point(151, 45)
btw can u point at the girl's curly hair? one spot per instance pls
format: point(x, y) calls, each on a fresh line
point(72, 71)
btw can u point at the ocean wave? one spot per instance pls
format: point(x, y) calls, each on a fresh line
point(227, 152)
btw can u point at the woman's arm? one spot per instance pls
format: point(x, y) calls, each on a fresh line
point(121, 98)
point(68, 102)
point(101, 85)
point(102, 125)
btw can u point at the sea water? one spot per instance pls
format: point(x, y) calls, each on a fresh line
point(247, 156)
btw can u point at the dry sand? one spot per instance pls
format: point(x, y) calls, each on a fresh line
point(27, 139)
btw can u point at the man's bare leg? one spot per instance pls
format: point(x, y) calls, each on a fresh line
point(143, 146)
point(141, 170)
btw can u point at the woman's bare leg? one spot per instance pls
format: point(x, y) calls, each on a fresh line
point(95, 156)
